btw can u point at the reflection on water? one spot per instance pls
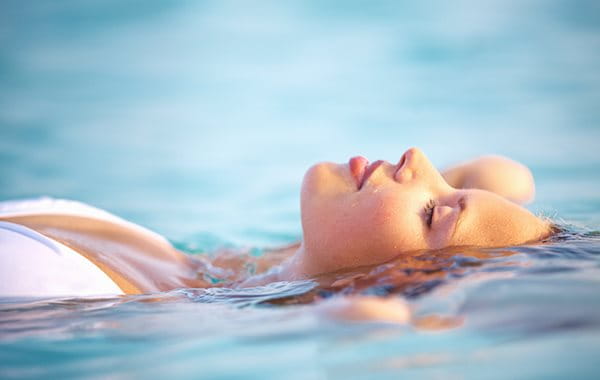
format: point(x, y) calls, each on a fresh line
point(468, 307)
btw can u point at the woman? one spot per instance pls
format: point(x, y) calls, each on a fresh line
point(353, 214)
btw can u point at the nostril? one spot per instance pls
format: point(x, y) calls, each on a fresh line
point(403, 174)
point(402, 161)
point(404, 170)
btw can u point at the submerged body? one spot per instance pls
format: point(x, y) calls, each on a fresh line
point(352, 214)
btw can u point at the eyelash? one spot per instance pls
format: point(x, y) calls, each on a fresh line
point(429, 212)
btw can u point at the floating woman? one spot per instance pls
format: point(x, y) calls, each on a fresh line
point(353, 215)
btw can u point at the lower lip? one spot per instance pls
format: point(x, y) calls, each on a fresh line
point(358, 166)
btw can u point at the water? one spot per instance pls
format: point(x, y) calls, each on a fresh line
point(198, 120)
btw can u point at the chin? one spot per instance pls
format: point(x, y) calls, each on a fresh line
point(326, 180)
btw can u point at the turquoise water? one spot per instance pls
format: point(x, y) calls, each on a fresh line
point(198, 120)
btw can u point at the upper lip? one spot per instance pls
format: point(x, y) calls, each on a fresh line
point(368, 171)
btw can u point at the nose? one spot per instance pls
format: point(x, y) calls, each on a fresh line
point(408, 165)
point(415, 165)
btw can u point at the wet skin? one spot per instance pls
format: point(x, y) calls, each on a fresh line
point(350, 219)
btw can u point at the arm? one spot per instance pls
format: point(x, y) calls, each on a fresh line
point(497, 174)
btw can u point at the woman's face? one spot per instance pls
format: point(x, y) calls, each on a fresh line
point(357, 214)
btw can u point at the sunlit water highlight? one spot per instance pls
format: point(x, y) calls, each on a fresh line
point(533, 304)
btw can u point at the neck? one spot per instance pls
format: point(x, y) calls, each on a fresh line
point(295, 267)
point(290, 269)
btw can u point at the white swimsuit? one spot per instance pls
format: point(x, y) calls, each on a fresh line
point(32, 264)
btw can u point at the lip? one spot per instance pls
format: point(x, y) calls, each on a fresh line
point(361, 169)
point(369, 170)
point(358, 167)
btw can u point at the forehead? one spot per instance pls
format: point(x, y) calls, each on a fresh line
point(488, 220)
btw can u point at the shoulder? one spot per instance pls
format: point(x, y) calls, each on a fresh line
point(498, 174)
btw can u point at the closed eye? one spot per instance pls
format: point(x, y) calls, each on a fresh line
point(429, 208)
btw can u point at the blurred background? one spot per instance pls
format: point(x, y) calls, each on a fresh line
point(198, 119)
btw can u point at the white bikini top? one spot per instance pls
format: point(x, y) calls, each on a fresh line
point(32, 264)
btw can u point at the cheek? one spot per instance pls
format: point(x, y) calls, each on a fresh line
point(361, 227)
point(381, 215)
point(389, 225)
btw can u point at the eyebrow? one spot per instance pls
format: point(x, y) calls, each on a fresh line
point(462, 203)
